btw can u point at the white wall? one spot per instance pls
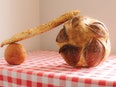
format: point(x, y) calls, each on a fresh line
point(103, 10)
point(16, 16)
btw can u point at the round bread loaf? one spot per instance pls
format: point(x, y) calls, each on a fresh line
point(84, 42)
point(15, 54)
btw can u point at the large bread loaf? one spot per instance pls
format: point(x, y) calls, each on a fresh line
point(84, 42)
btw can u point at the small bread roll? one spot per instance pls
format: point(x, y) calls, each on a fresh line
point(15, 54)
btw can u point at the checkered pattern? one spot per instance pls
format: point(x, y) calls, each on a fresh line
point(48, 69)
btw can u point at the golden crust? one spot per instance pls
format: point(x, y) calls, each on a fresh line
point(41, 29)
point(84, 42)
point(15, 54)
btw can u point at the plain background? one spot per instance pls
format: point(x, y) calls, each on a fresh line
point(18, 15)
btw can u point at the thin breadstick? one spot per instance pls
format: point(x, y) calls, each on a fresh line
point(41, 29)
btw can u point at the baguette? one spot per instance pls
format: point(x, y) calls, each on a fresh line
point(41, 28)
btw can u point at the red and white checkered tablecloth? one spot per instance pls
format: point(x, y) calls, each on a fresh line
point(48, 69)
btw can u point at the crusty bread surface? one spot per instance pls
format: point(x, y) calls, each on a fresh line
point(41, 28)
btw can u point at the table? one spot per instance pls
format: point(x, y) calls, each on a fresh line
point(48, 69)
